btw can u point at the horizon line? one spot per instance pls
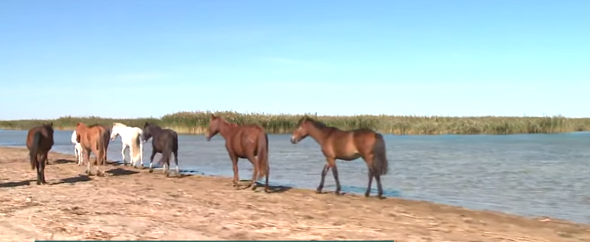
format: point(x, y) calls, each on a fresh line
point(299, 114)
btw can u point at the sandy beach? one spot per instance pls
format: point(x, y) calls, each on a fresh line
point(132, 204)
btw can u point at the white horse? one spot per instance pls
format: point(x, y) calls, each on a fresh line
point(130, 138)
point(77, 148)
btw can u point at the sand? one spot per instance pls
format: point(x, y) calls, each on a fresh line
point(132, 204)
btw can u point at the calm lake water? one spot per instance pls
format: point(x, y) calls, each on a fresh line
point(530, 175)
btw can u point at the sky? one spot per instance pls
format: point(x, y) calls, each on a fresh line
point(142, 58)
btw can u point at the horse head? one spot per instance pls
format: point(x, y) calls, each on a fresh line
point(301, 131)
point(213, 126)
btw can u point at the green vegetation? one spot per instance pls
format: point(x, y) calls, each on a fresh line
point(196, 123)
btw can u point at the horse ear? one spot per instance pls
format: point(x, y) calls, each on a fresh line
point(77, 124)
point(146, 124)
point(213, 116)
point(51, 124)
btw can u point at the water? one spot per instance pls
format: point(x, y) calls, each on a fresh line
point(529, 175)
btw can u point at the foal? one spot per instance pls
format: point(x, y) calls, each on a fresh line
point(77, 148)
point(130, 138)
point(243, 141)
point(39, 143)
point(348, 146)
point(165, 141)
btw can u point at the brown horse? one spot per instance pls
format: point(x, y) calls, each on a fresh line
point(348, 146)
point(39, 143)
point(243, 141)
point(93, 138)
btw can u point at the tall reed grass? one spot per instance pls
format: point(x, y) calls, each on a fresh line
point(196, 123)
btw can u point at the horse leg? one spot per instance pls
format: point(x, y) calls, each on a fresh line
point(335, 173)
point(141, 153)
point(87, 159)
point(152, 160)
point(369, 160)
point(324, 172)
point(98, 165)
point(123, 154)
point(176, 162)
point(379, 188)
point(42, 168)
point(368, 192)
point(38, 168)
point(255, 170)
point(166, 158)
point(234, 161)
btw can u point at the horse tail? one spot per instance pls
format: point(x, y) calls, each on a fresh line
point(35, 149)
point(380, 164)
point(262, 154)
point(135, 147)
point(100, 146)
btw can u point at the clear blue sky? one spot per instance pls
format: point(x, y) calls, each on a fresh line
point(149, 58)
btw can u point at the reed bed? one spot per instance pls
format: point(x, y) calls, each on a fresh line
point(196, 123)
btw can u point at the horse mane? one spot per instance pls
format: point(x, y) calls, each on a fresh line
point(93, 125)
point(315, 123)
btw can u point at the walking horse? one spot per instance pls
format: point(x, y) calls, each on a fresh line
point(95, 139)
point(247, 141)
point(348, 146)
point(39, 143)
point(130, 139)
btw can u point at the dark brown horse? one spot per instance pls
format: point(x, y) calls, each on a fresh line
point(39, 143)
point(348, 146)
point(95, 139)
point(247, 141)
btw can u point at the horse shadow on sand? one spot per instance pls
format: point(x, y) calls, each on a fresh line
point(121, 172)
point(17, 184)
point(69, 180)
point(260, 187)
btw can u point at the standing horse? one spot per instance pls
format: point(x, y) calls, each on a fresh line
point(130, 138)
point(77, 148)
point(247, 142)
point(165, 141)
point(93, 138)
point(39, 143)
point(348, 146)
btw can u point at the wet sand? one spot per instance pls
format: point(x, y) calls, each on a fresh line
point(132, 204)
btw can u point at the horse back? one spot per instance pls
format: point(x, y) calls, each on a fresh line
point(46, 139)
point(244, 139)
point(361, 140)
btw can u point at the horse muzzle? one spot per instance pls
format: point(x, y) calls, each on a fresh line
point(293, 140)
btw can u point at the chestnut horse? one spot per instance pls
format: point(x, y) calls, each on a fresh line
point(348, 146)
point(39, 143)
point(94, 138)
point(243, 141)
point(164, 141)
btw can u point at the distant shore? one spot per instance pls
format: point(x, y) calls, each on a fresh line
point(196, 123)
point(132, 204)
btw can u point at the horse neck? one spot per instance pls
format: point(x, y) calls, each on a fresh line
point(319, 134)
point(226, 129)
point(155, 130)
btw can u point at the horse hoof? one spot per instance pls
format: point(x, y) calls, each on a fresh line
point(151, 171)
point(318, 191)
point(337, 193)
point(366, 194)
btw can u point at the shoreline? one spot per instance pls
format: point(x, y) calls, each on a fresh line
point(134, 204)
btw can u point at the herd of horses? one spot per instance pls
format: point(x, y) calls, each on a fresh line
point(247, 141)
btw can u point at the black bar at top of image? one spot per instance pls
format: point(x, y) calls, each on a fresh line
point(217, 240)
